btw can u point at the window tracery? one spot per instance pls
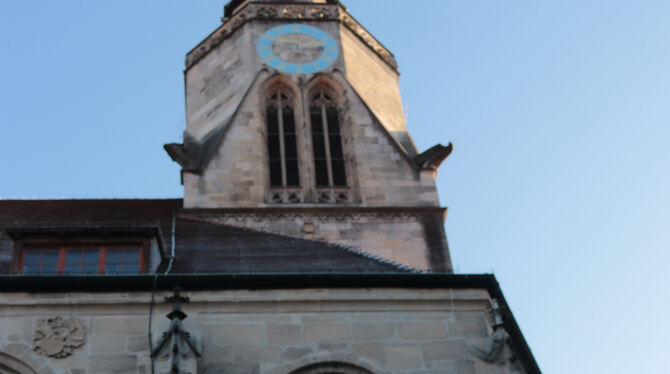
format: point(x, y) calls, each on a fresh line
point(328, 154)
point(305, 163)
point(282, 146)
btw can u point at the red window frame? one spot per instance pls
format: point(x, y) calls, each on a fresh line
point(102, 250)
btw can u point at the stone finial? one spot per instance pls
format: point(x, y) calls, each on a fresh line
point(176, 353)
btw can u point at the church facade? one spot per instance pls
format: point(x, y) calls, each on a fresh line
point(310, 238)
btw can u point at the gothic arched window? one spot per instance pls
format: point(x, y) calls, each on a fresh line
point(326, 140)
point(282, 144)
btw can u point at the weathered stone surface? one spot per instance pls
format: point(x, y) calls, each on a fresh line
point(112, 363)
point(246, 354)
point(283, 334)
point(325, 332)
point(237, 334)
point(231, 368)
point(422, 330)
point(468, 325)
point(46, 369)
point(402, 356)
point(293, 353)
point(121, 325)
point(442, 350)
point(107, 344)
point(15, 349)
point(137, 343)
point(373, 331)
point(374, 351)
point(401, 330)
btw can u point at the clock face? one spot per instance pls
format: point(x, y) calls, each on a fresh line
point(297, 49)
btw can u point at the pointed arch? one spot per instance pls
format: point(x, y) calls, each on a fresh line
point(324, 98)
point(280, 109)
point(12, 365)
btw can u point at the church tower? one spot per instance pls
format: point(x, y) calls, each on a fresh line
point(295, 127)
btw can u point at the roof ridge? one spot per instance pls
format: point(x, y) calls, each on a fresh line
point(348, 248)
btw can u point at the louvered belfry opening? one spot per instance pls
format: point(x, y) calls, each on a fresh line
point(326, 140)
point(282, 143)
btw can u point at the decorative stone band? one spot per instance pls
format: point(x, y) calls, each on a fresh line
point(335, 213)
point(288, 12)
point(278, 195)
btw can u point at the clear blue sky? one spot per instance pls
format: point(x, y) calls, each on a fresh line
point(559, 112)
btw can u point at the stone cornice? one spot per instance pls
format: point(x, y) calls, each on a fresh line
point(350, 213)
point(288, 12)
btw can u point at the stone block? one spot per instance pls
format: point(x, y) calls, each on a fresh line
point(15, 349)
point(331, 347)
point(283, 334)
point(46, 369)
point(293, 353)
point(120, 325)
point(372, 331)
point(422, 330)
point(223, 353)
point(137, 343)
point(236, 334)
point(443, 350)
point(112, 364)
point(254, 354)
point(374, 351)
point(325, 332)
point(402, 357)
point(468, 325)
point(239, 368)
point(107, 344)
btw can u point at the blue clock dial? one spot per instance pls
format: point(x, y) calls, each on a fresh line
point(297, 49)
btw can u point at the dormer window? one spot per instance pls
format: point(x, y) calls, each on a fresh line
point(45, 259)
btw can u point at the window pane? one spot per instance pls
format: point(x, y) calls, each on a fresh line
point(31, 269)
point(315, 117)
point(50, 258)
point(41, 261)
point(89, 268)
point(333, 122)
point(292, 177)
point(339, 177)
point(114, 256)
point(131, 268)
point(72, 268)
point(289, 121)
point(335, 146)
point(49, 263)
point(290, 147)
point(319, 146)
point(131, 256)
point(321, 169)
point(275, 173)
point(271, 116)
point(91, 256)
point(33, 257)
point(273, 147)
point(112, 268)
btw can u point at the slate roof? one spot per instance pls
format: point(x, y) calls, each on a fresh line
point(200, 245)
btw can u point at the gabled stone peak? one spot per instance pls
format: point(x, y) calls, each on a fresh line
point(243, 11)
point(234, 5)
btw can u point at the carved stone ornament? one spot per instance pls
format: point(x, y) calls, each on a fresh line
point(57, 337)
point(285, 12)
point(494, 347)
